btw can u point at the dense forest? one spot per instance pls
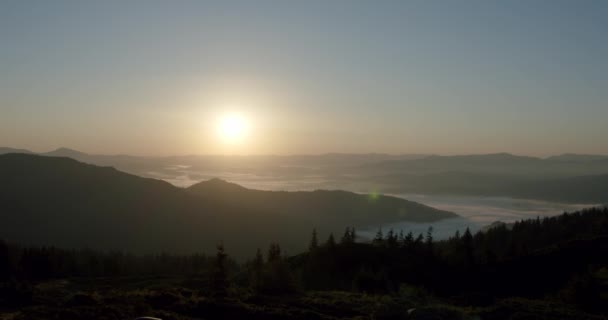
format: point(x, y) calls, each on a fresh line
point(556, 266)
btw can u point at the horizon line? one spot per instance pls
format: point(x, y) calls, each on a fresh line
point(337, 153)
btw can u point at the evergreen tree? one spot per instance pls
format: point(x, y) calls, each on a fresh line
point(391, 239)
point(331, 242)
point(429, 238)
point(467, 241)
point(256, 277)
point(409, 239)
point(274, 252)
point(278, 278)
point(419, 239)
point(349, 236)
point(219, 283)
point(379, 238)
point(314, 243)
point(457, 235)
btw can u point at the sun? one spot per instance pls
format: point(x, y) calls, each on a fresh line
point(233, 127)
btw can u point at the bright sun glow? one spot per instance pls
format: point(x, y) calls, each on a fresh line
point(233, 127)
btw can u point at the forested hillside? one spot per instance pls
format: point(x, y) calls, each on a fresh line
point(555, 266)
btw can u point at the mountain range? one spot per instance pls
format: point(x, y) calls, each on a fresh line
point(569, 178)
point(60, 201)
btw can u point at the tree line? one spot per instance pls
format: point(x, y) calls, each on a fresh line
point(534, 257)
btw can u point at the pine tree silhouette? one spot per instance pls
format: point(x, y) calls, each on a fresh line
point(467, 240)
point(379, 238)
point(331, 242)
point(314, 243)
point(257, 272)
point(391, 238)
point(429, 239)
point(349, 236)
point(409, 239)
point(219, 283)
point(274, 252)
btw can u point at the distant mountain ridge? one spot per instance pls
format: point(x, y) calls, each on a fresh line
point(496, 174)
point(573, 157)
point(60, 201)
point(65, 152)
point(484, 157)
point(565, 178)
point(5, 150)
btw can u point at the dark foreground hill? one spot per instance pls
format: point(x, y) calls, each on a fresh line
point(59, 201)
point(550, 268)
point(332, 205)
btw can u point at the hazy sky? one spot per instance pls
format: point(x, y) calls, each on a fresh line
point(147, 77)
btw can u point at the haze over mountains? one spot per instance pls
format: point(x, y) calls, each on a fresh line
point(60, 201)
point(568, 178)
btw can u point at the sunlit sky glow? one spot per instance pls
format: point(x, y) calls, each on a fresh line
point(153, 77)
point(233, 128)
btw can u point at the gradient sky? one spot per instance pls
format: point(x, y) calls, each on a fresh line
point(448, 77)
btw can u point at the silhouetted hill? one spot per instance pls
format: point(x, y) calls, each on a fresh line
point(360, 210)
point(492, 158)
point(498, 162)
point(217, 186)
point(566, 178)
point(60, 201)
point(572, 157)
point(499, 174)
point(5, 150)
point(578, 189)
point(582, 189)
point(65, 152)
